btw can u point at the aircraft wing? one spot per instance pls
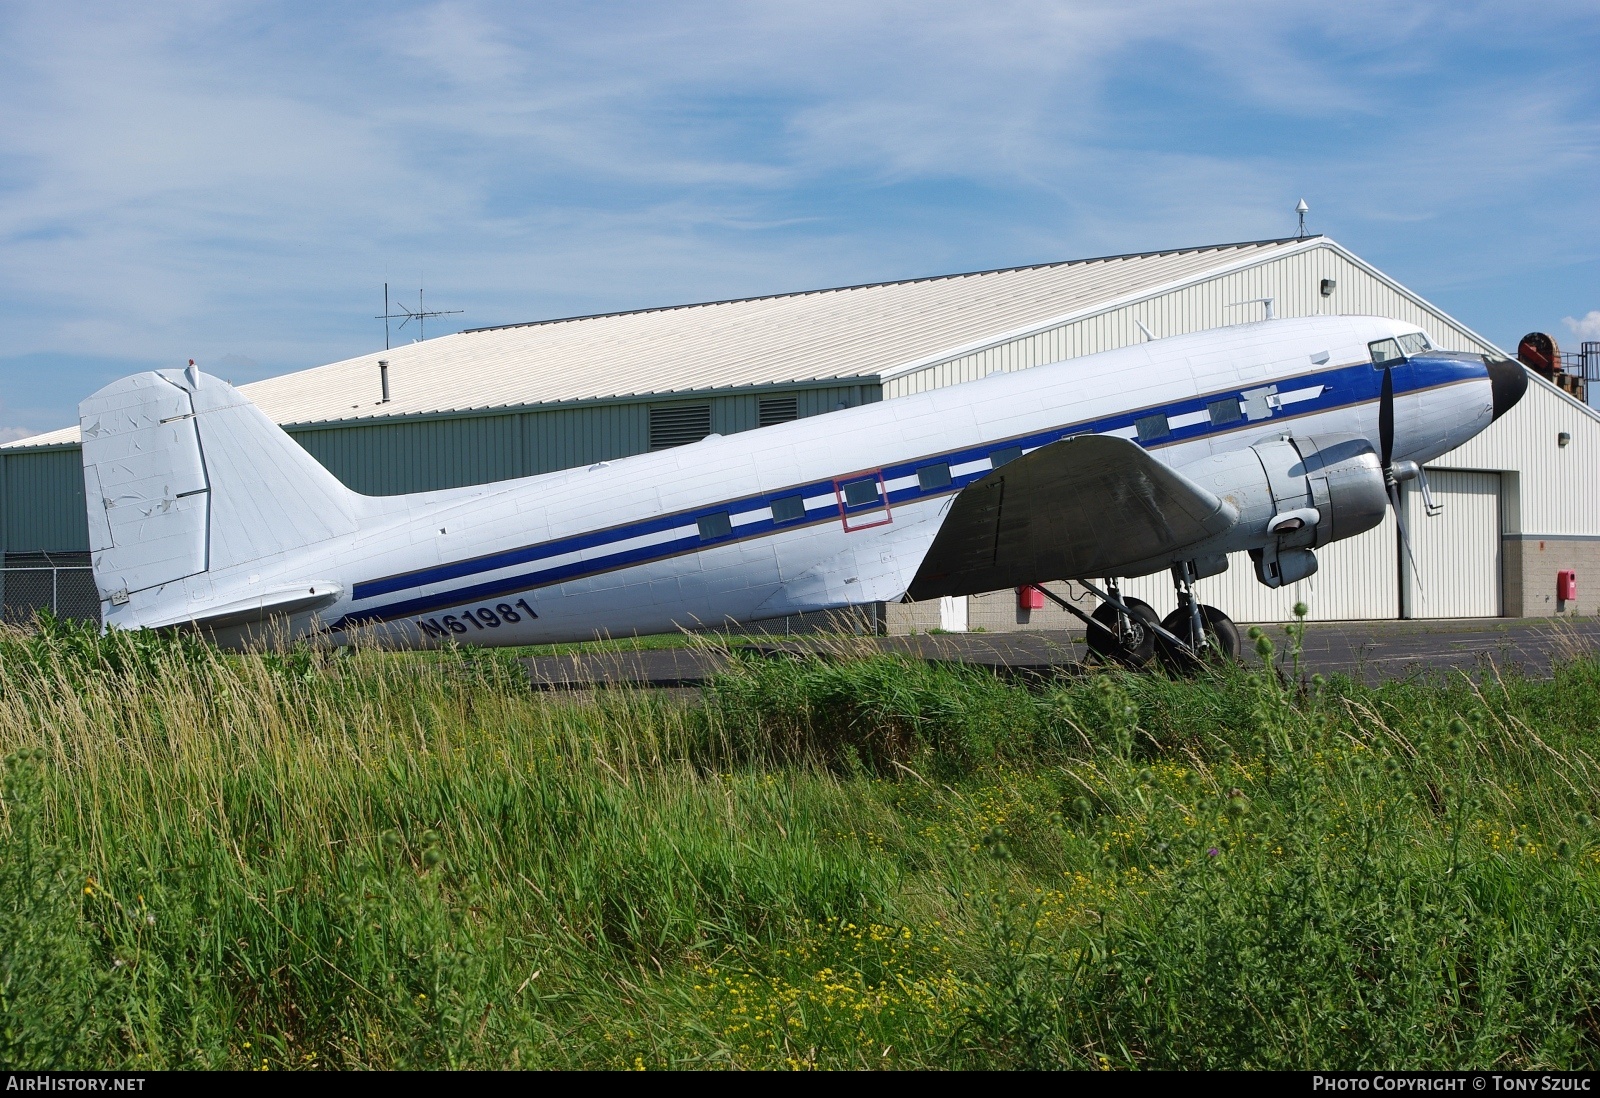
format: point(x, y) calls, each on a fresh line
point(1081, 507)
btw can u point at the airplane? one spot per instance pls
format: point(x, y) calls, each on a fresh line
point(1276, 437)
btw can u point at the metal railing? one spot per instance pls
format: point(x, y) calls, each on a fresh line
point(1583, 365)
point(60, 583)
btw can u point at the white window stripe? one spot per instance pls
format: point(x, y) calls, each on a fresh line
point(1301, 394)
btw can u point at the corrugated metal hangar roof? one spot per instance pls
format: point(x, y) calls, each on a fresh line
point(866, 332)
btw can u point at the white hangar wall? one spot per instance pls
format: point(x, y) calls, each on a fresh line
point(1227, 296)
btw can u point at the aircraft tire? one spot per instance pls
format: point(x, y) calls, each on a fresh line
point(1104, 645)
point(1220, 630)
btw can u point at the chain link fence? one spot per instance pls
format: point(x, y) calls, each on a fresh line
point(61, 583)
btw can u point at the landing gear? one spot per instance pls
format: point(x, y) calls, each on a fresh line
point(1125, 637)
point(1127, 630)
point(1220, 643)
point(1204, 633)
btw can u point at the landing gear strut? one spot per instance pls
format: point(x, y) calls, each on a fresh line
point(1205, 632)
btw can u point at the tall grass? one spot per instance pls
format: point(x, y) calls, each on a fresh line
point(319, 857)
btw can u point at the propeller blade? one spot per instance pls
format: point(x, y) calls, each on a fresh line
point(1405, 538)
point(1386, 421)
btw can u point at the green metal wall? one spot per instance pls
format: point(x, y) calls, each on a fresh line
point(41, 491)
point(401, 456)
point(387, 459)
point(43, 501)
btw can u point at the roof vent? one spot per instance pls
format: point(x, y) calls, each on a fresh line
point(383, 379)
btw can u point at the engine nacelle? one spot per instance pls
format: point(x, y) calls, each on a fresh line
point(1295, 495)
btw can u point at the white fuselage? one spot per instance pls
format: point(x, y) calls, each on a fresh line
point(707, 533)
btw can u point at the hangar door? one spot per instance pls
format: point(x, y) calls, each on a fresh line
point(1356, 579)
point(1458, 550)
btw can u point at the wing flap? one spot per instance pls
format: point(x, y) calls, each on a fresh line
point(1084, 506)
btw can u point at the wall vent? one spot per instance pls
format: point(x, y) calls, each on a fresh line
point(679, 425)
point(777, 410)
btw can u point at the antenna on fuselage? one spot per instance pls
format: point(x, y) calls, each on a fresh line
point(1148, 334)
point(1269, 302)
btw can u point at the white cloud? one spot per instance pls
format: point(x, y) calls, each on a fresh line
point(1586, 327)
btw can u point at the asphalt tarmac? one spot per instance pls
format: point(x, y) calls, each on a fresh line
point(1367, 651)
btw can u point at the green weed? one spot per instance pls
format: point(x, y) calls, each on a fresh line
point(316, 857)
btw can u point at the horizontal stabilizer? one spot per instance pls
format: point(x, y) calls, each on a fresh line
point(1084, 506)
point(299, 598)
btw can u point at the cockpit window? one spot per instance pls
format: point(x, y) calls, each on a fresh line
point(1385, 352)
point(1414, 344)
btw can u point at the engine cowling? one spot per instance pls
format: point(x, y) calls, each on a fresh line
point(1295, 495)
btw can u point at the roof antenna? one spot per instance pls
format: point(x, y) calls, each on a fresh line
point(406, 316)
point(1302, 209)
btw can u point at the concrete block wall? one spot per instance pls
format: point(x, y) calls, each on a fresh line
point(993, 612)
point(996, 611)
point(902, 619)
point(1529, 575)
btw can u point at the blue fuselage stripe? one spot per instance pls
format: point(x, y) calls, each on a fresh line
point(1342, 387)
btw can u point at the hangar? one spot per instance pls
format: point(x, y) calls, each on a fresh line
point(1521, 503)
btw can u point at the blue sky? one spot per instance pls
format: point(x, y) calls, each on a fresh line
point(233, 182)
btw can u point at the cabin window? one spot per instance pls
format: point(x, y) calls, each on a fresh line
point(718, 525)
point(774, 410)
point(788, 509)
point(931, 478)
point(1385, 352)
point(1414, 343)
point(1225, 411)
point(1152, 427)
point(859, 493)
point(1002, 457)
point(679, 425)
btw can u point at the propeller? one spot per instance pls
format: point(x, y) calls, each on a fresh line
point(1386, 453)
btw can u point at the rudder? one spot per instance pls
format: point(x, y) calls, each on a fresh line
point(183, 475)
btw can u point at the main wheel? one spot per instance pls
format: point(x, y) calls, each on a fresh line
point(1138, 639)
point(1220, 631)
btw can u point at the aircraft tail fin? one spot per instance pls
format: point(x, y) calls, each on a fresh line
point(184, 477)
